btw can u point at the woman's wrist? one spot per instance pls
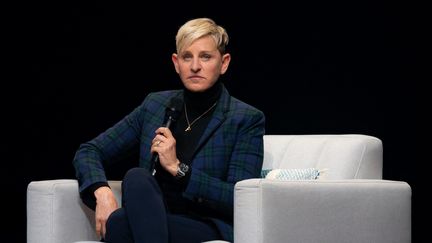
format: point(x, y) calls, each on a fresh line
point(174, 168)
point(101, 191)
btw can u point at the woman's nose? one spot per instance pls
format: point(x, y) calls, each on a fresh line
point(196, 65)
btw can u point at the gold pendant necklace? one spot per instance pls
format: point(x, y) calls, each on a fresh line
point(188, 128)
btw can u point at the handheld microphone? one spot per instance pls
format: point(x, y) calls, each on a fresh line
point(171, 115)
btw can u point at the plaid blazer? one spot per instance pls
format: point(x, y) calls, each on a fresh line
point(230, 150)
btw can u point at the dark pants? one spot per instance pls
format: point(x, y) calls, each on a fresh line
point(143, 216)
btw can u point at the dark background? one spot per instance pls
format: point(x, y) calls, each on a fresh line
point(314, 67)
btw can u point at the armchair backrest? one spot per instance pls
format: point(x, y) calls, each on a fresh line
point(347, 156)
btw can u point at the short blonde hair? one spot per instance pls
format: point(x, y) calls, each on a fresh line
point(198, 28)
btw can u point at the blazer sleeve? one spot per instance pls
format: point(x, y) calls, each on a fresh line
point(111, 146)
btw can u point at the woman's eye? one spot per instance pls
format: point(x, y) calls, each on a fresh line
point(187, 57)
point(206, 57)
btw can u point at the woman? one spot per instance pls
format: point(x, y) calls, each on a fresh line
point(182, 190)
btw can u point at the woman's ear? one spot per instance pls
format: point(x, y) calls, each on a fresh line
point(226, 58)
point(174, 59)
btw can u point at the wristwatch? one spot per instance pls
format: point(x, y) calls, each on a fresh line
point(182, 170)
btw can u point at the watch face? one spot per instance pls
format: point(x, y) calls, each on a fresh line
point(183, 168)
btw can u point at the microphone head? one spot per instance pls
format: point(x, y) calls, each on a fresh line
point(174, 108)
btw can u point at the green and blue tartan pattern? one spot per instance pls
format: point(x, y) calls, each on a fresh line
point(230, 150)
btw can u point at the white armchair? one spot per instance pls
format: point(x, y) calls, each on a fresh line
point(348, 203)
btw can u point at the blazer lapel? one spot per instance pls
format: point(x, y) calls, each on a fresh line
point(217, 118)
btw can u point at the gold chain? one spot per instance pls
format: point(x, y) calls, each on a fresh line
point(188, 128)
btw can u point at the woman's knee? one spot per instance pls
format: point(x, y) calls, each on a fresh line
point(138, 179)
point(136, 172)
point(135, 175)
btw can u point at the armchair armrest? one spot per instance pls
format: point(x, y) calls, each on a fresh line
point(56, 214)
point(322, 211)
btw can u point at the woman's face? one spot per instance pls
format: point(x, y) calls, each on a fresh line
point(200, 64)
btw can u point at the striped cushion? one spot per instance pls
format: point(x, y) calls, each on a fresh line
point(291, 174)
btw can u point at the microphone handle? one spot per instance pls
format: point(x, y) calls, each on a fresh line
point(155, 157)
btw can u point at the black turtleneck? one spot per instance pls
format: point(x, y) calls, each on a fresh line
point(196, 103)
